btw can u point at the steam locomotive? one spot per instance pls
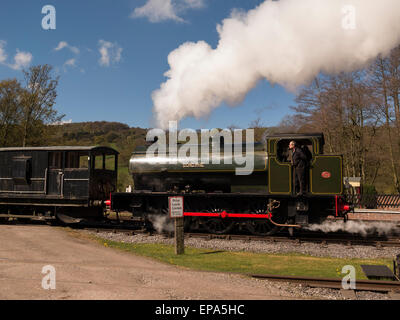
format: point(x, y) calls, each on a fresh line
point(217, 199)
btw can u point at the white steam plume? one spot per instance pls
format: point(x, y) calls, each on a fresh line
point(357, 227)
point(287, 42)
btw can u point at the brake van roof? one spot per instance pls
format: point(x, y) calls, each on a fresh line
point(63, 148)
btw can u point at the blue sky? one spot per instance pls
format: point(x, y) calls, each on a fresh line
point(111, 55)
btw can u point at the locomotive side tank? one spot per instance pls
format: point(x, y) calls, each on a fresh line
point(218, 173)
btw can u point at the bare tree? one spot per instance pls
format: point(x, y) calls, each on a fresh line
point(380, 71)
point(341, 107)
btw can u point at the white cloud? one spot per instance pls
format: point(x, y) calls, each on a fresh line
point(74, 50)
point(21, 59)
point(163, 10)
point(64, 44)
point(110, 53)
point(156, 11)
point(61, 45)
point(69, 63)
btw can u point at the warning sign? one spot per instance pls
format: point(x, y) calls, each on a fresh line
point(175, 207)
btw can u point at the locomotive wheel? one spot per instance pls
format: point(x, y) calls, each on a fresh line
point(260, 227)
point(187, 224)
point(264, 227)
point(217, 225)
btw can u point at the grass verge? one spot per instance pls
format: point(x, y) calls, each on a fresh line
point(293, 264)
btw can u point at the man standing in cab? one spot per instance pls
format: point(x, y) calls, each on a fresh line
point(299, 162)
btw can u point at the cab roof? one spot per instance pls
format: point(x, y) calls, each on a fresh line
point(294, 136)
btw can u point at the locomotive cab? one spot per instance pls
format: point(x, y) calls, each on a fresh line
point(323, 177)
point(323, 172)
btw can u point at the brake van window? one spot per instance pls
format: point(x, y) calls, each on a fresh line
point(110, 162)
point(84, 161)
point(77, 160)
point(98, 162)
point(55, 160)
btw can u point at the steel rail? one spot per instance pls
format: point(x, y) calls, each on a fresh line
point(360, 285)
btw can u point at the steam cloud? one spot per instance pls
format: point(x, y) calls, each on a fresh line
point(357, 227)
point(162, 223)
point(288, 42)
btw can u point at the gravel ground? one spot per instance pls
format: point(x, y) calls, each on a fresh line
point(287, 289)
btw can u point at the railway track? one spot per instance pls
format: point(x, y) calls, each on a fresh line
point(322, 240)
point(318, 238)
point(360, 285)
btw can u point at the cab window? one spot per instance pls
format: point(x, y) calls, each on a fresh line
point(283, 152)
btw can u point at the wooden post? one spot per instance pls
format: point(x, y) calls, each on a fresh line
point(175, 205)
point(179, 236)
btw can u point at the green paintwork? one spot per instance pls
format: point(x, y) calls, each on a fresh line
point(271, 146)
point(331, 185)
point(280, 177)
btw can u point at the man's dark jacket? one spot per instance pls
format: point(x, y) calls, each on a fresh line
point(299, 159)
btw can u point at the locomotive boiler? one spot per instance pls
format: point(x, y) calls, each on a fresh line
point(219, 173)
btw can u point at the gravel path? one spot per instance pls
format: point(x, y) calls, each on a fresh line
point(286, 289)
point(85, 270)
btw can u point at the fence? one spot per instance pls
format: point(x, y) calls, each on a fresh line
point(376, 201)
